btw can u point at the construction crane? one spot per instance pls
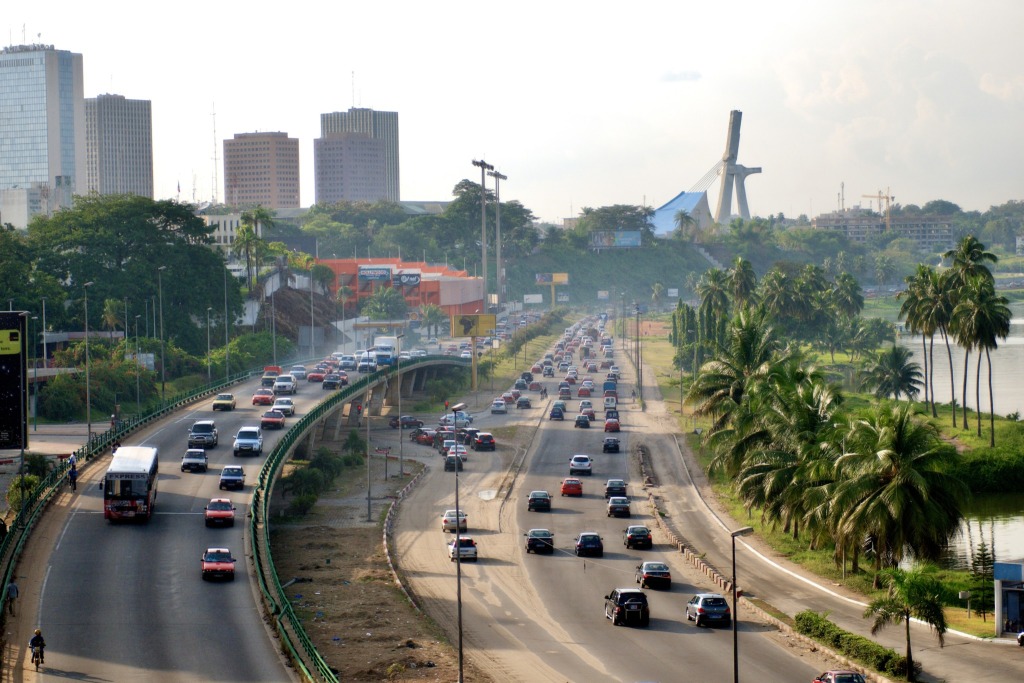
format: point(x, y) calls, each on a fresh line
point(888, 199)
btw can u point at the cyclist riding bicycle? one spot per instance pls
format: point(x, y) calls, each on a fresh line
point(37, 641)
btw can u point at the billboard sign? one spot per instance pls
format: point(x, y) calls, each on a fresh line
point(602, 295)
point(533, 298)
point(614, 239)
point(673, 293)
point(13, 380)
point(406, 279)
point(552, 278)
point(374, 273)
point(473, 324)
point(562, 297)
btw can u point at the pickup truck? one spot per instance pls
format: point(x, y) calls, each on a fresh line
point(232, 477)
point(194, 460)
point(248, 441)
point(203, 434)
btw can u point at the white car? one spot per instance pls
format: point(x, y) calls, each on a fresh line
point(586, 403)
point(298, 371)
point(467, 549)
point(459, 450)
point(448, 520)
point(466, 354)
point(461, 419)
point(581, 464)
point(499, 407)
point(284, 405)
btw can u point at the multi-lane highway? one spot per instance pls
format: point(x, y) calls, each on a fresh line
point(540, 617)
point(124, 602)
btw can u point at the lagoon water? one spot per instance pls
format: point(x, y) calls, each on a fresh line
point(999, 519)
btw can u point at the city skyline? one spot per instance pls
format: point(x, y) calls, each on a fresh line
point(587, 104)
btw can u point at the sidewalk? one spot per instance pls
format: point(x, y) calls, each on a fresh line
point(56, 441)
point(964, 658)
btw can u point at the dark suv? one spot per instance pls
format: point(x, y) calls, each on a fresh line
point(484, 442)
point(203, 434)
point(626, 606)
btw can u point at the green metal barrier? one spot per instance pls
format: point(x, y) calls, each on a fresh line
point(288, 625)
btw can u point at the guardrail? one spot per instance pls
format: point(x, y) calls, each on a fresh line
point(34, 502)
point(289, 626)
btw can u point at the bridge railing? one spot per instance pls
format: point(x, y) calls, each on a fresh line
point(288, 625)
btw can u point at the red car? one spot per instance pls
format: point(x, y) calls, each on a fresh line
point(584, 392)
point(611, 425)
point(272, 419)
point(263, 397)
point(315, 376)
point(572, 487)
point(535, 369)
point(219, 511)
point(426, 438)
point(570, 379)
point(218, 564)
point(535, 386)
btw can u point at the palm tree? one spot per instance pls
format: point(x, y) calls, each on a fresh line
point(895, 487)
point(657, 292)
point(684, 224)
point(112, 316)
point(969, 260)
point(847, 296)
point(387, 303)
point(742, 282)
point(894, 374)
point(912, 311)
point(752, 353)
point(984, 317)
point(432, 316)
point(914, 593)
point(343, 296)
point(245, 246)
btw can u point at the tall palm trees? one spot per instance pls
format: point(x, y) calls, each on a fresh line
point(742, 282)
point(915, 593)
point(983, 317)
point(894, 374)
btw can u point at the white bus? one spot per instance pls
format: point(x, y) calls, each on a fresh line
point(129, 488)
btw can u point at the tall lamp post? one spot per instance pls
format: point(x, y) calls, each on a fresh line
point(138, 360)
point(458, 544)
point(163, 364)
point(743, 531)
point(484, 168)
point(45, 362)
point(498, 177)
point(401, 437)
point(639, 366)
point(88, 395)
point(209, 375)
point(227, 323)
point(35, 373)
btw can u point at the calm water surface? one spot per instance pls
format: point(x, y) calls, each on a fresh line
point(999, 519)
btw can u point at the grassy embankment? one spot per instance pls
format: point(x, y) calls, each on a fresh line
point(657, 354)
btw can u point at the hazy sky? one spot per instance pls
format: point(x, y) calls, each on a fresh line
point(580, 103)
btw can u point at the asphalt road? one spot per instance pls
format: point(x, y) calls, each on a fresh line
point(540, 618)
point(123, 602)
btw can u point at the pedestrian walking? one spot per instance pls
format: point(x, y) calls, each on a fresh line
point(72, 461)
point(73, 479)
point(12, 595)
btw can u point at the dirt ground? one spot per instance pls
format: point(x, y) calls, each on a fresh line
point(360, 621)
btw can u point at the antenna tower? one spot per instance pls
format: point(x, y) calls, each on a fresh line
point(215, 183)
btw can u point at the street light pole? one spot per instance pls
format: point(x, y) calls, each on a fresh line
point(35, 374)
point(227, 345)
point(138, 359)
point(45, 362)
point(401, 437)
point(639, 359)
point(458, 542)
point(88, 395)
point(163, 362)
point(209, 375)
point(484, 168)
point(743, 531)
point(498, 177)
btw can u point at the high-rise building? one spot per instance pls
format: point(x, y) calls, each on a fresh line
point(42, 129)
point(119, 146)
point(261, 169)
point(379, 125)
point(349, 167)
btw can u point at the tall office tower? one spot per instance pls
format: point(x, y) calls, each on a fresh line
point(261, 169)
point(379, 125)
point(42, 130)
point(349, 167)
point(119, 146)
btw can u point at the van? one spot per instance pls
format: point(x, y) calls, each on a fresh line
point(610, 402)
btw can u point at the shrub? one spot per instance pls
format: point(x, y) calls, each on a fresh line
point(867, 652)
point(327, 462)
point(27, 483)
point(38, 465)
point(301, 505)
point(305, 481)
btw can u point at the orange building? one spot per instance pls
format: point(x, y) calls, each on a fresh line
point(420, 283)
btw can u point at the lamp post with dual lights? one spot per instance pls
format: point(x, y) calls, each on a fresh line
point(458, 541)
point(497, 236)
point(209, 375)
point(743, 531)
point(484, 168)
